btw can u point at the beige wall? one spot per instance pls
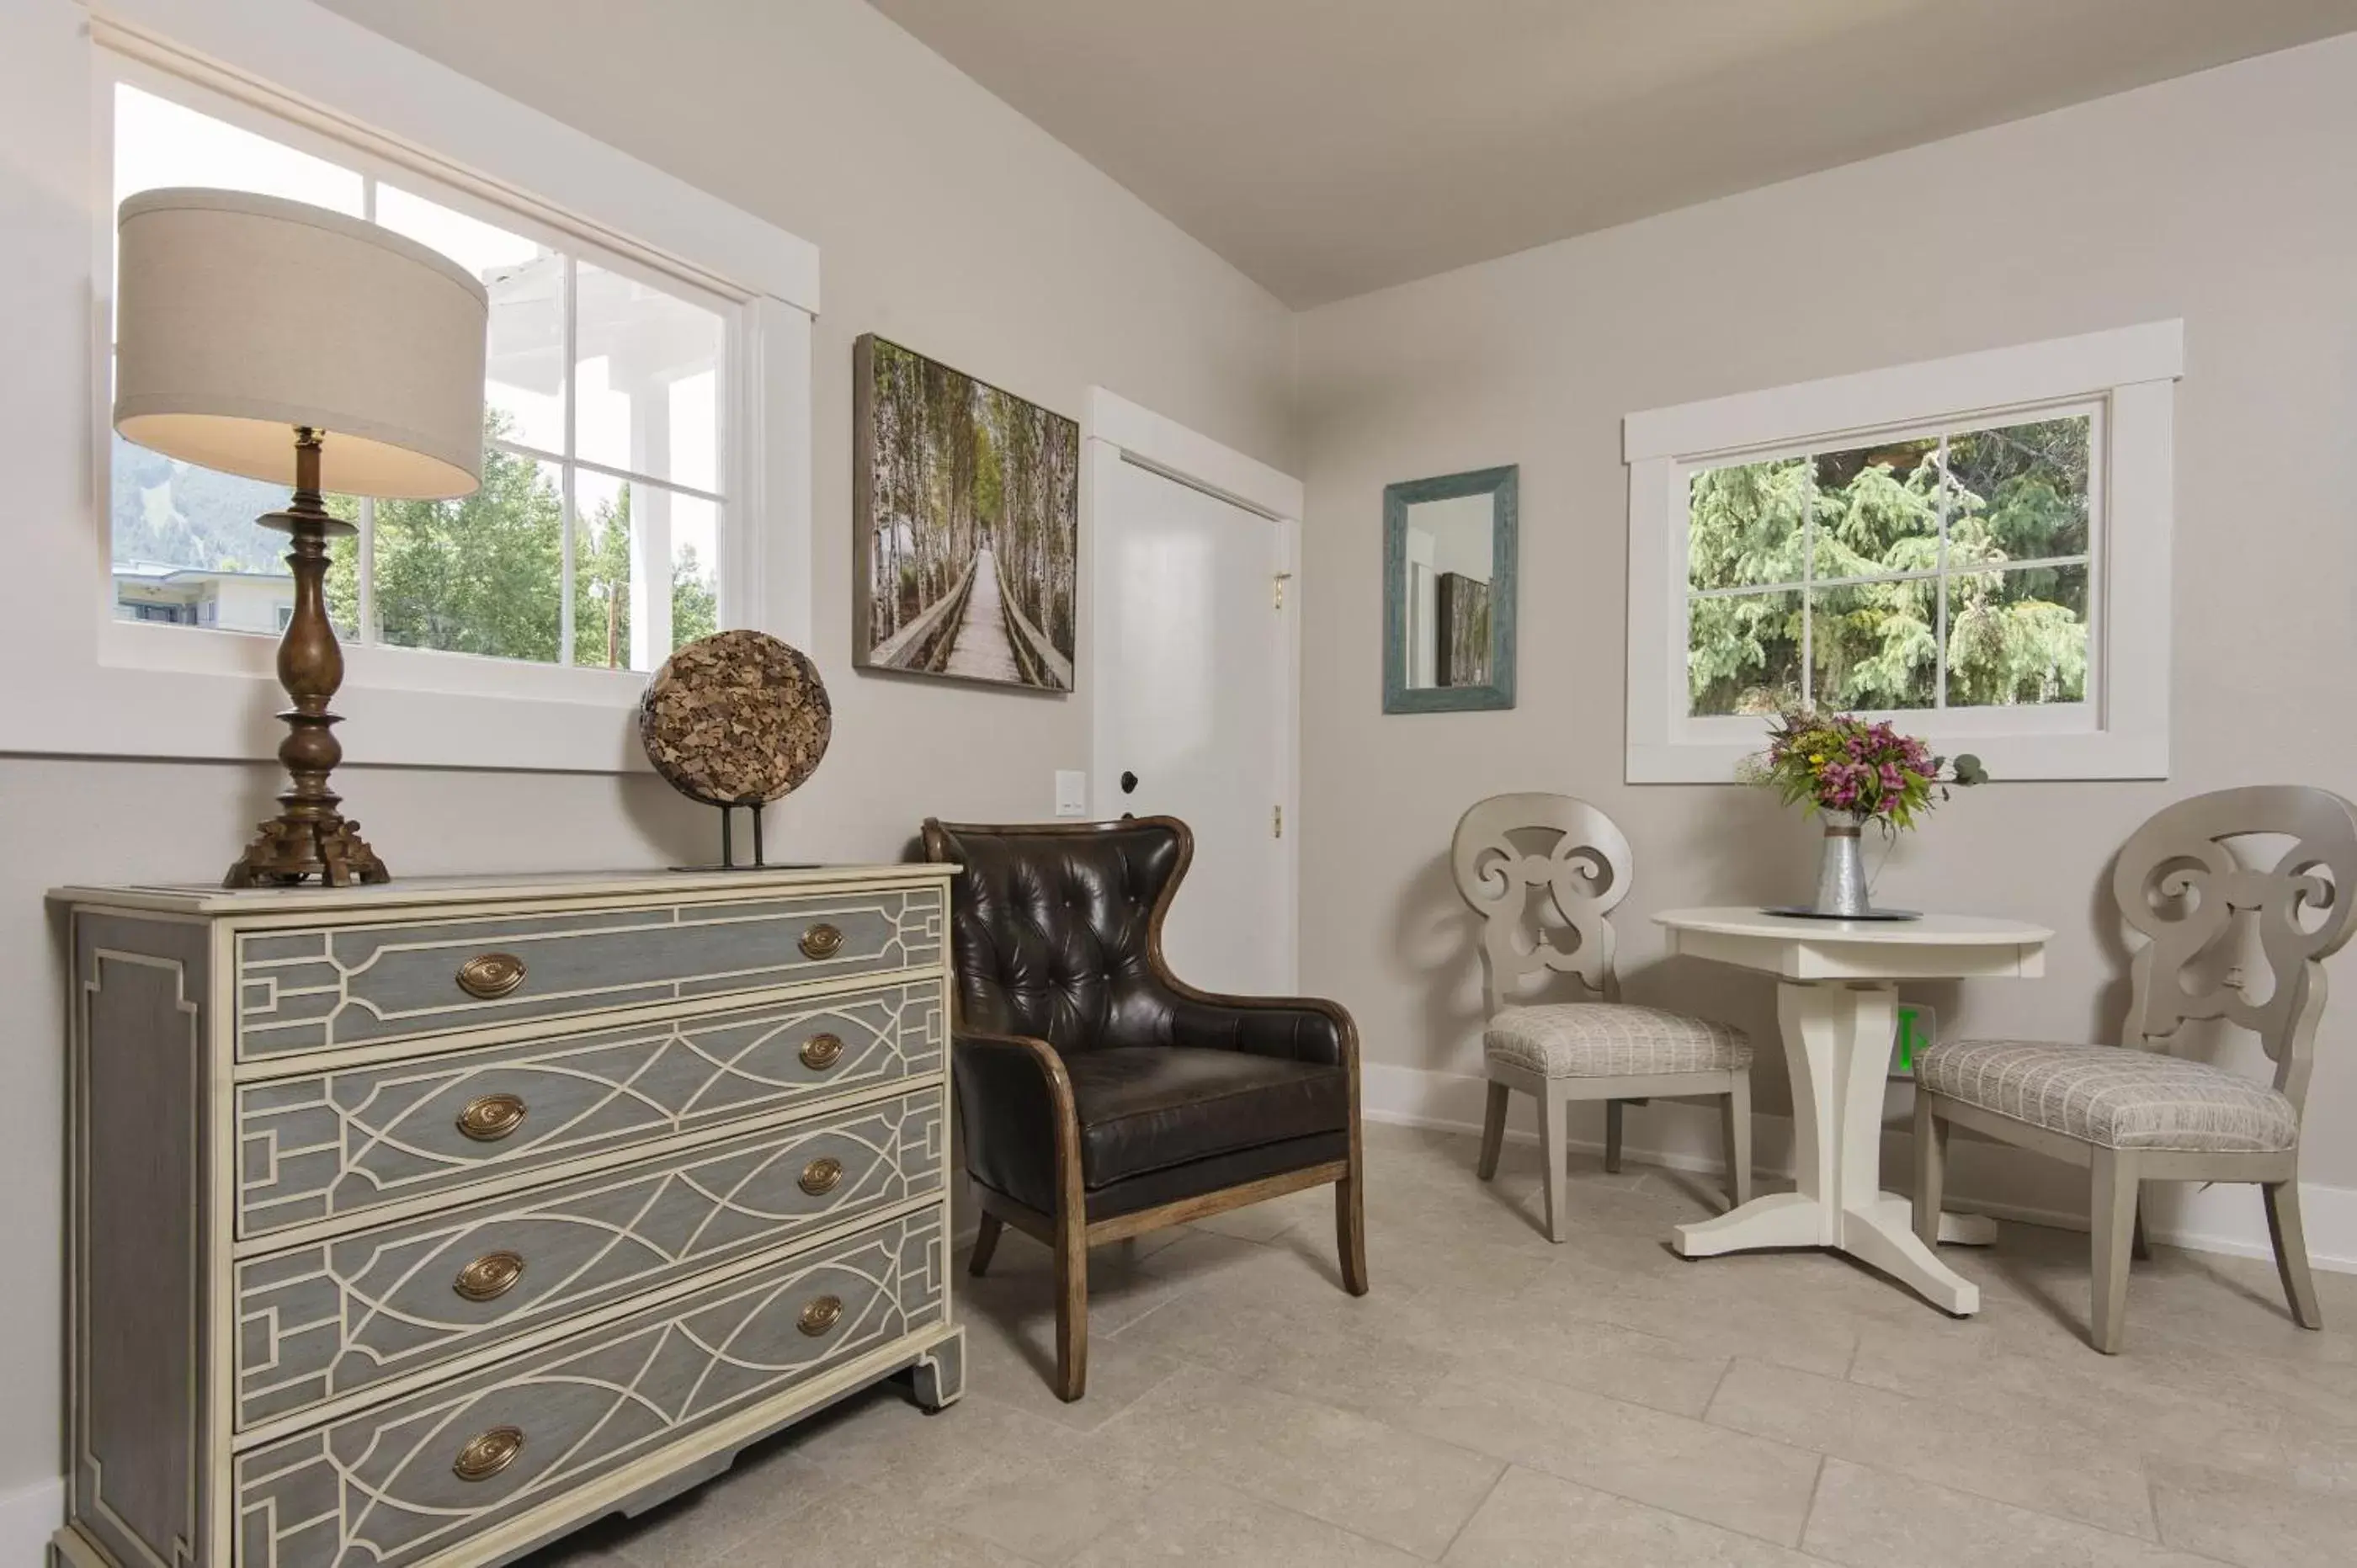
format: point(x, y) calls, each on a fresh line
point(944, 219)
point(2227, 199)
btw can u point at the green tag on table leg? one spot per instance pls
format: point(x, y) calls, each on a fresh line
point(1918, 1027)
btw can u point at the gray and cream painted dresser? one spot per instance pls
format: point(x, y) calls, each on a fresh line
point(423, 1223)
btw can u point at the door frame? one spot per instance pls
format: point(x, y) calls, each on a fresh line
point(1114, 431)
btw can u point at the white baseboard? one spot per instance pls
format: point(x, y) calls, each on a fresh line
point(1983, 1177)
point(28, 1517)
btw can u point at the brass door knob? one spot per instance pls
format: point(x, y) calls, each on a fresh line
point(488, 1277)
point(491, 1117)
point(820, 1176)
point(819, 1314)
point(820, 1052)
point(488, 1454)
point(822, 941)
point(491, 975)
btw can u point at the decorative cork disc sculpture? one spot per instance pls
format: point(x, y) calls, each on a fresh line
point(736, 719)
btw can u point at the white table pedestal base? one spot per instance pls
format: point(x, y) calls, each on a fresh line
point(1837, 1043)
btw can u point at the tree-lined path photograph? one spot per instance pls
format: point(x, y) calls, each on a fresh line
point(969, 525)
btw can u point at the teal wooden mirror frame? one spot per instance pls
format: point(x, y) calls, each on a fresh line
point(1399, 697)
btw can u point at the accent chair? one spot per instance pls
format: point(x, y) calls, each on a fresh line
point(2134, 1113)
point(1599, 1048)
point(1100, 1095)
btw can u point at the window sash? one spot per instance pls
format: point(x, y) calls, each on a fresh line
point(1682, 471)
point(374, 168)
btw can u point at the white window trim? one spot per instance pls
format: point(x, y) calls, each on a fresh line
point(2129, 373)
point(110, 690)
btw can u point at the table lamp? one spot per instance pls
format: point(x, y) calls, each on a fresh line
point(291, 344)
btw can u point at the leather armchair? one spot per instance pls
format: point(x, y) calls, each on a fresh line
point(1100, 1095)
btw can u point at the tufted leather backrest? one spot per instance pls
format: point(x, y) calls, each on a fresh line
point(1055, 926)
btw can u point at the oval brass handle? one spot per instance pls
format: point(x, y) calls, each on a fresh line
point(820, 1052)
point(488, 1454)
point(492, 1117)
point(822, 941)
point(819, 1314)
point(488, 1277)
point(491, 975)
point(820, 1176)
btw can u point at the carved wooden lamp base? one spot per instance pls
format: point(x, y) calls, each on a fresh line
point(308, 837)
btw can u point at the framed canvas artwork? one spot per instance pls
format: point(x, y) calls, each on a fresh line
point(966, 509)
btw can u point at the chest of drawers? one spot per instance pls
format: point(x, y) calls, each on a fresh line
point(421, 1224)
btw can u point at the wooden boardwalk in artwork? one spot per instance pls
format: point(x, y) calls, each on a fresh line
point(981, 651)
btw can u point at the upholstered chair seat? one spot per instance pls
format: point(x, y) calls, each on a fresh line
point(1543, 874)
point(1611, 1039)
point(2112, 1097)
point(1099, 1095)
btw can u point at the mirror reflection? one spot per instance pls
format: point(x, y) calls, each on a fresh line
point(1451, 551)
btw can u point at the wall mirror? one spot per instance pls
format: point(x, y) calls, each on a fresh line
point(1448, 592)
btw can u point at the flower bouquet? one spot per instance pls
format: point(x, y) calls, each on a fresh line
point(1853, 772)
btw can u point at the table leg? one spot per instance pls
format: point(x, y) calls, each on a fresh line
point(1837, 1039)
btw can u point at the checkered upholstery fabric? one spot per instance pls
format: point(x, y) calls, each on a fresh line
point(1611, 1039)
point(2111, 1097)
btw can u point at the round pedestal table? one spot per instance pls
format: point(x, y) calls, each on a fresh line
point(1836, 1002)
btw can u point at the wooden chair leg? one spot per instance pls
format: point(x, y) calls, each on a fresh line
point(2111, 1215)
point(1351, 1225)
point(1493, 1132)
point(1734, 1113)
point(1071, 1307)
point(1555, 1115)
point(986, 1244)
point(2139, 1248)
point(1611, 1138)
point(1931, 1169)
point(2291, 1251)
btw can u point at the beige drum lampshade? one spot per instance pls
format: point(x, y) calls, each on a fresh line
point(240, 317)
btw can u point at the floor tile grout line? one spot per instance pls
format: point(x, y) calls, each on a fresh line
point(1505, 1468)
point(1816, 1485)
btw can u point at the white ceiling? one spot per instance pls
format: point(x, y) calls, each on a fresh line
point(1327, 147)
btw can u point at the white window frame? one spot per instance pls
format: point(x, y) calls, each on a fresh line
point(2124, 380)
point(123, 688)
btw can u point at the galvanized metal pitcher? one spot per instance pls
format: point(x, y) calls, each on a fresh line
point(1841, 869)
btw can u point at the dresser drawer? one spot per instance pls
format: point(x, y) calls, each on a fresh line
point(330, 1319)
point(328, 1144)
point(336, 986)
point(398, 1483)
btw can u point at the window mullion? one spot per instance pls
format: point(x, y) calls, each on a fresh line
point(1939, 631)
point(1808, 593)
point(568, 510)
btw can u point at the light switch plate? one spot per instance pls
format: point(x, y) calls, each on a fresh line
point(1071, 793)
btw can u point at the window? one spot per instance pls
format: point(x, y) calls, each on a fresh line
point(1976, 547)
point(1905, 572)
point(597, 536)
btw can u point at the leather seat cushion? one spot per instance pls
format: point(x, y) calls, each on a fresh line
point(1147, 1108)
point(1611, 1039)
point(2113, 1097)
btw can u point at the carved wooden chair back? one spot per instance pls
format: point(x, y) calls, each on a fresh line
point(2180, 883)
point(1584, 868)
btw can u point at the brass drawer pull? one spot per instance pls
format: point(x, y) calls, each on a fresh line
point(820, 1176)
point(488, 1277)
point(820, 1052)
point(820, 1314)
point(488, 1454)
point(492, 1117)
point(491, 975)
point(822, 941)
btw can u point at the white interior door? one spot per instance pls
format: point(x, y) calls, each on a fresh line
point(1194, 712)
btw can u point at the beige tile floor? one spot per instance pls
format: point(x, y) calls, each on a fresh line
point(1501, 1400)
